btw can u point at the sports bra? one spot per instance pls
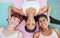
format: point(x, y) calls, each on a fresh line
point(21, 28)
point(28, 4)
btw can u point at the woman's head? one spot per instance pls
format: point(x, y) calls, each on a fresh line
point(15, 19)
point(30, 23)
point(43, 21)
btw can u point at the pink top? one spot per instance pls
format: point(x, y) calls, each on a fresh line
point(21, 28)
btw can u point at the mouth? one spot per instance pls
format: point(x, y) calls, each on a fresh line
point(43, 24)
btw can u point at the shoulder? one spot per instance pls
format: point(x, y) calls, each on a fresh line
point(57, 31)
point(36, 34)
point(54, 29)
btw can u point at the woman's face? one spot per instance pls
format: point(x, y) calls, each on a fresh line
point(43, 22)
point(14, 21)
point(30, 23)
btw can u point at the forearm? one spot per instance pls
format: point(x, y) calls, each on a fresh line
point(19, 11)
point(48, 11)
point(9, 11)
point(41, 11)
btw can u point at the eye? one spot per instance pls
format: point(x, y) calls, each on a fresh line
point(33, 24)
point(40, 21)
point(43, 20)
point(28, 24)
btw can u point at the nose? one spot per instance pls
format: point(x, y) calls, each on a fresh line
point(30, 26)
point(43, 22)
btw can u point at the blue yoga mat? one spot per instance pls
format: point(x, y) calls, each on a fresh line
point(4, 13)
point(55, 11)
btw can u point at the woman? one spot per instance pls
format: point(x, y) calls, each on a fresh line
point(10, 31)
point(30, 9)
point(44, 30)
point(30, 14)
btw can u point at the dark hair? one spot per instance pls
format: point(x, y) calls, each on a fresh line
point(42, 15)
point(17, 15)
point(37, 17)
point(25, 18)
point(28, 30)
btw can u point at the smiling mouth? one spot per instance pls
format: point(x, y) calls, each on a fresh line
point(43, 24)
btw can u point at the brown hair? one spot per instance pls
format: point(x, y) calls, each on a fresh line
point(15, 14)
point(20, 17)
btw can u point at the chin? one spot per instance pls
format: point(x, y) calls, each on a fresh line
point(44, 27)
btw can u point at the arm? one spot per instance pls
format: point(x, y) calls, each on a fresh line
point(36, 35)
point(48, 13)
point(14, 10)
point(41, 11)
point(46, 8)
point(58, 33)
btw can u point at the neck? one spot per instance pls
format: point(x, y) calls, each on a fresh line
point(30, 15)
point(45, 29)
